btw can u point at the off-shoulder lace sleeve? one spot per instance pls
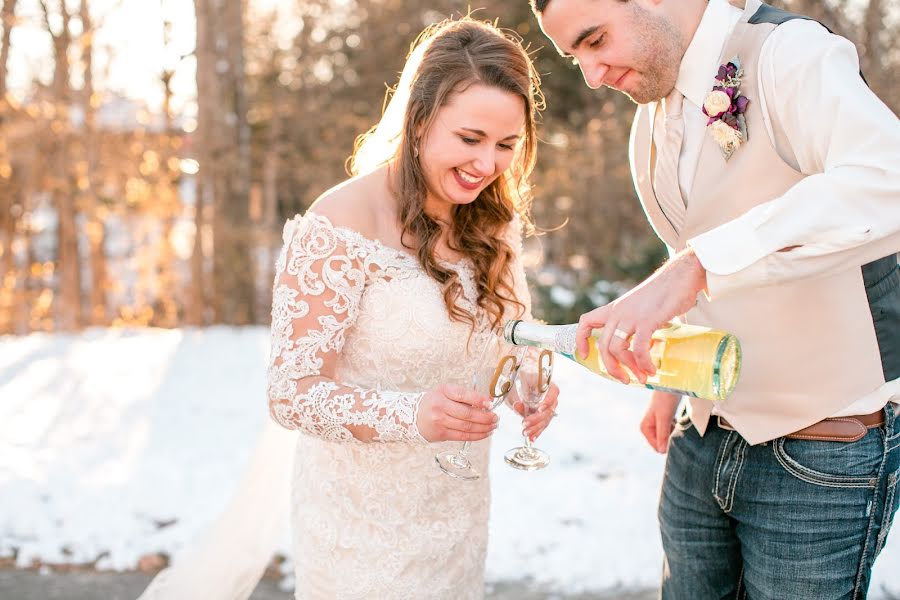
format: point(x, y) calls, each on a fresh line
point(319, 280)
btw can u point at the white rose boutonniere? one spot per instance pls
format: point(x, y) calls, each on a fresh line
point(716, 103)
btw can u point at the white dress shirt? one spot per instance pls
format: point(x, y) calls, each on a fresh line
point(829, 126)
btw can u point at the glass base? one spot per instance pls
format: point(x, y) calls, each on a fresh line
point(456, 465)
point(527, 459)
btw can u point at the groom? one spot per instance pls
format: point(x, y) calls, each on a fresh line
point(773, 175)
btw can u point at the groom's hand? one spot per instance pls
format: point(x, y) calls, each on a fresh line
point(671, 291)
point(657, 423)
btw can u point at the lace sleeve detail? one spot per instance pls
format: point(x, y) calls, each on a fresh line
point(319, 280)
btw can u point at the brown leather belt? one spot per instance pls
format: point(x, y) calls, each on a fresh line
point(834, 429)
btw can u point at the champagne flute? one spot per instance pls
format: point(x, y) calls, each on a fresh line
point(495, 377)
point(531, 387)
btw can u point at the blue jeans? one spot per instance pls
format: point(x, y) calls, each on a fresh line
point(791, 519)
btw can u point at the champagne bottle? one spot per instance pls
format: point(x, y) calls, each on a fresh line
point(689, 359)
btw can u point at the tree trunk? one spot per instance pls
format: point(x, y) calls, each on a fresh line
point(270, 238)
point(68, 300)
point(7, 220)
point(166, 305)
point(194, 312)
point(872, 53)
point(7, 15)
point(96, 228)
point(206, 93)
point(224, 135)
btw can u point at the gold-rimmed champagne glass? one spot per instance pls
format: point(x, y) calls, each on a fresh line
point(495, 374)
point(531, 387)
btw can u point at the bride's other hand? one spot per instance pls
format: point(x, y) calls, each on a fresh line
point(534, 425)
point(455, 413)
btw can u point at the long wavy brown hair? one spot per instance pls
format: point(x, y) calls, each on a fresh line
point(460, 53)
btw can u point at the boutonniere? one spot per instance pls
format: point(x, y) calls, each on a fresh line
point(725, 107)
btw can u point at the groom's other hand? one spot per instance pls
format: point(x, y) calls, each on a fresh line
point(658, 422)
point(629, 322)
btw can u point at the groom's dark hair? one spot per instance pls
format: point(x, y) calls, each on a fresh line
point(538, 6)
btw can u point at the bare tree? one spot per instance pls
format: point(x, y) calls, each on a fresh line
point(166, 306)
point(87, 180)
point(7, 17)
point(224, 136)
point(68, 300)
point(196, 313)
point(7, 220)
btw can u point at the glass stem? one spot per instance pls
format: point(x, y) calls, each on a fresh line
point(464, 451)
point(528, 412)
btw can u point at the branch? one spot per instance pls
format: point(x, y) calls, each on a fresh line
point(46, 13)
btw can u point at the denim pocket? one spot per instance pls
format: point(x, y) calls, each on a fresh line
point(891, 500)
point(894, 440)
point(683, 421)
point(832, 464)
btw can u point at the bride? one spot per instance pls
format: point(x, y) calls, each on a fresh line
point(382, 291)
point(379, 288)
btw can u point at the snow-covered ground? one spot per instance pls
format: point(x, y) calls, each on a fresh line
point(119, 443)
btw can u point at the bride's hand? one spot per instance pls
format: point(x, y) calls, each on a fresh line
point(535, 424)
point(455, 413)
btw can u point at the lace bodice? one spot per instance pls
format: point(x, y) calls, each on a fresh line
point(330, 324)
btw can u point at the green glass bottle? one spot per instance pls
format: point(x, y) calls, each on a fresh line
point(689, 359)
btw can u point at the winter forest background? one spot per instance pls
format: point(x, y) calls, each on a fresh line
point(150, 151)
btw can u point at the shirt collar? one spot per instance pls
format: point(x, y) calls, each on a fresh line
point(701, 60)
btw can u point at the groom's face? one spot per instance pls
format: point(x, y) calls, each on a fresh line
point(629, 46)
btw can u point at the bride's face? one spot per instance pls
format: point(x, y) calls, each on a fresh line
point(469, 144)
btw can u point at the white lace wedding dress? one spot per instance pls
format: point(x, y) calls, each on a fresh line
point(359, 333)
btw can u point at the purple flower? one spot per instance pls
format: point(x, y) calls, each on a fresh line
point(727, 70)
point(741, 103)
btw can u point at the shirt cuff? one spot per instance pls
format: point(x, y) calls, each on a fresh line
point(729, 248)
point(718, 286)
